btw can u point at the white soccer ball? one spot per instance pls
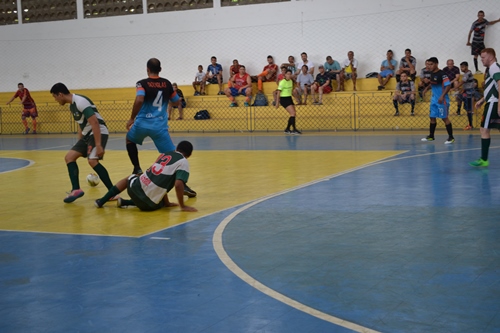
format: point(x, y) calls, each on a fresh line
point(93, 179)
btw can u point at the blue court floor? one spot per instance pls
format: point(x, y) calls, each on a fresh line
point(405, 243)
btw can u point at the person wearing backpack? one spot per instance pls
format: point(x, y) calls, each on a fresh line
point(285, 99)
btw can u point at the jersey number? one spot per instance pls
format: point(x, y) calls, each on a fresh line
point(160, 164)
point(158, 102)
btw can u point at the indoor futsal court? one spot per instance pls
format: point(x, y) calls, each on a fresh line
point(338, 232)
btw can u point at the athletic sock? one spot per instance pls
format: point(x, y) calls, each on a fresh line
point(111, 193)
point(103, 175)
point(485, 147)
point(475, 64)
point(127, 202)
point(133, 154)
point(469, 117)
point(293, 123)
point(396, 106)
point(432, 129)
point(73, 175)
point(412, 103)
point(449, 129)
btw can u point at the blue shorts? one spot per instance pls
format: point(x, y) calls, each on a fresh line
point(160, 137)
point(439, 110)
point(386, 73)
point(234, 92)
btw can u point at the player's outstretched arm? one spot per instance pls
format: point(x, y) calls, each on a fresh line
point(179, 191)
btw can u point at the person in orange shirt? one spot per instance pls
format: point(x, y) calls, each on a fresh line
point(268, 73)
point(29, 107)
point(241, 84)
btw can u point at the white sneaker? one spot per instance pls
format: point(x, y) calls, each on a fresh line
point(428, 138)
point(479, 72)
point(449, 141)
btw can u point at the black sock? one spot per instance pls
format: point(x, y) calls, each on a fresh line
point(396, 106)
point(412, 103)
point(475, 63)
point(73, 175)
point(469, 117)
point(449, 129)
point(485, 147)
point(289, 123)
point(127, 202)
point(459, 106)
point(104, 175)
point(133, 154)
point(420, 92)
point(432, 129)
point(292, 122)
point(111, 193)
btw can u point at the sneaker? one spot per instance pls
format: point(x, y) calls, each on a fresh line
point(468, 128)
point(232, 105)
point(479, 72)
point(246, 104)
point(189, 192)
point(479, 163)
point(137, 171)
point(428, 138)
point(196, 93)
point(295, 132)
point(380, 87)
point(26, 131)
point(98, 203)
point(220, 93)
point(119, 203)
point(73, 195)
point(396, 114)
point(449, 141)
point(116, 197)
point(412, 114)
point(287, 131)
point(318, 103)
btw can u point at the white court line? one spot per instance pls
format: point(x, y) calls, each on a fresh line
point(15, 158)
point(160, 238)
point(233, 267)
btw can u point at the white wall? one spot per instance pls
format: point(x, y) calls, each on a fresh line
point(112, 52)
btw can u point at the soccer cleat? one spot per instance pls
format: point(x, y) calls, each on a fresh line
point(232, 105)
point(26, 131)
point(98, 203)
point(189, 192)
point(468, 128)
point(114, 198)
point(479, 163)
point(396, 114)
point(428, 138)
point(246, 104)
point(287, 131)
point(295, 132)
point(73, 195)
point(449, 141)
point(137, 171)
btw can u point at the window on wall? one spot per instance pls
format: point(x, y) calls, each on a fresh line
point(225, 3)
point(48, 10)
point(102, 8)
point(8, 12)
point(157, 6)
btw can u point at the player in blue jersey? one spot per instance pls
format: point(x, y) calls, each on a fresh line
point(149, 116)
point(440, 102)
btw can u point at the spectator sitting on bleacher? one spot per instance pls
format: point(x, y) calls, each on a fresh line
point(453, 73)
point(332, 67)
point(268, 74)
point(407, 65)
point(199, 80)
point(322, 84)
point(290, 65)
point(181, 106)
point(304, 82)
point(425, 83)
point(307, 62)
point(214, 74)
point(233, 70)
point(405, 93)
point(386, 70)
point(349, 70)
point(241, 84)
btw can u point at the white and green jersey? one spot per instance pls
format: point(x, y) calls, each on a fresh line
point(160, 178)
point(82, 109)
point(491, 83)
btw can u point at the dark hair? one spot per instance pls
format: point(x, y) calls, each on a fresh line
point(391, 51)
point(154, 65)
point(408, 50)
point(185, 147)
point(464, 63)
point(434, 60)
point(20, 84)
point(307, 67)
point(284, 67)
point(328, 57)
point(59, 88)
point(242, 66)
point(270, 56)
point(480, 12)
point(213, 57)
point(303, 53)
point(200, 66)
point(289, 70)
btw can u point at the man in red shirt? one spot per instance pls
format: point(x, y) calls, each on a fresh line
point(241, 84)
point(268, 73)
point(29, 107)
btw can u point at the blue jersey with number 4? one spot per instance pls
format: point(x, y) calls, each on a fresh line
point(157, 93)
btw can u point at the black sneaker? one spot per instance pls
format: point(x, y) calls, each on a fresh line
point(137, 171)
point(220, 93)
point(189, 192)
point(396, 114)
point(98, 203)
point(296, 132)
point(412, 114)
point(287, 131)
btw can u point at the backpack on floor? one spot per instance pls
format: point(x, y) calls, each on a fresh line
point(260, 100)
point(201, 115)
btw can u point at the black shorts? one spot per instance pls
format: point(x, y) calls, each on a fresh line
point(213, 79)
point(490, 118)
point(286, 101)
point(138, 196)
point(86, 146)
point(476, 48)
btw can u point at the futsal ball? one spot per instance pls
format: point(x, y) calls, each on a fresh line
point(93, 179)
